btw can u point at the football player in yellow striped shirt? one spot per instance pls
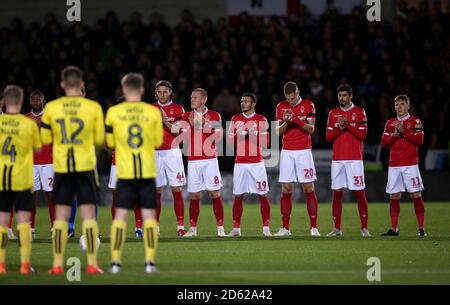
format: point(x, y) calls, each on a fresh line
point(19, 135)
point(74, 124)
point(134, 128)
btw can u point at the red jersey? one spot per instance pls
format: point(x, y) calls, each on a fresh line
point(174, 112)
point(44, 156)
point(403, 149)
point(202, 142)
point(295, 138)
point(347, 143)
point(249, 147)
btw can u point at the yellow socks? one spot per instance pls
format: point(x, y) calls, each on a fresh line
point(150, 239)
point(90, 232)
point(118, 230)
point(3, 242)
point(59, 239)
point(24, 237)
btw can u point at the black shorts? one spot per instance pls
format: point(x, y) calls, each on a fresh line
point(140, 193)
point(22, 201)
point(82, 185)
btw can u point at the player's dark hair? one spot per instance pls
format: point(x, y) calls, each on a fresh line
point(164, 83)
point(202, 91)
point(345, 87)
point(12, 95)
point(402, 97)
point(72, 76)
point(40, 93)
point(290, 87)
point(133, 81)
point(251, 95)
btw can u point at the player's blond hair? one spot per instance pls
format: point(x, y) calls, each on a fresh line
point(72, 77)
point(13, 95)
point(133, 81)
point(402, 97)
point(202, 91)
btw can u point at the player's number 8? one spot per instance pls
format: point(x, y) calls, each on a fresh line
point(135, 136)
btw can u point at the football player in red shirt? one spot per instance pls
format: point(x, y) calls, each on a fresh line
point(347, 129)
point(403, 135)
point(169, 160)
point(43, 162)
point(248, 130)
point(202, 129)
point(295, 118)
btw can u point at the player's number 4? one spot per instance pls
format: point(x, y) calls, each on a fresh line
point(9, 150)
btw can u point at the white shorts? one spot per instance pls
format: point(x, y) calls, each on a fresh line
point(347, 174)
point(112, 177)
point(204, 175)
point(250, 178)
point(297, 166)
point(170, 168)
point(43, 177)
point(404, 177)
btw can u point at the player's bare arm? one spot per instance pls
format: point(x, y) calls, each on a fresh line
point(309, 127)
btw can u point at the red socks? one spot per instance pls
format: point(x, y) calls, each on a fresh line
point(394, 207)
point(113, 207)
point(265, 210)
point(137, 217)
point(158, 205)
point(178, 206)
point(312, 206)
point(218, 210)
point(420, 211)
point(363, 207)
point(194, 211)
point(11, 216)
point(51, 207)
point(337, 209)
point(237, 211)
point(286, 208)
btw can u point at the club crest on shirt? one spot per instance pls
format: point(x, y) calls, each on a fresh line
point(353, 116)
point(302, 109)
point(171, 111)
point(408, 126)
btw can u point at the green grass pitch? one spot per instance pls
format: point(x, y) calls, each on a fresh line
point(253, 259)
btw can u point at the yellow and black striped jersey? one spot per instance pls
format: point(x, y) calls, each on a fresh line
point(19, 136)
point(135, 130)
point(74, 125)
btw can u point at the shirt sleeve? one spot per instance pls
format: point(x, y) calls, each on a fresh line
point(99, 128)
point(109, 130)
point(37, 145)
point(158, 129)
point(46, 130)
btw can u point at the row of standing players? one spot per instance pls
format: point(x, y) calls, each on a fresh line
point(346, 128)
